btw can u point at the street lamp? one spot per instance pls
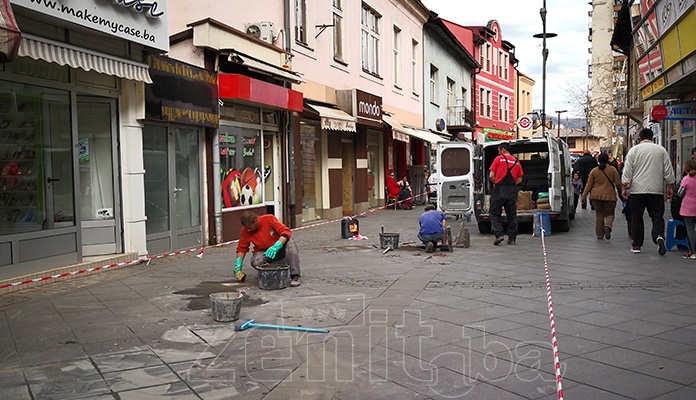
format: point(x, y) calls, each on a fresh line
point(545, 54)
point(559, 112)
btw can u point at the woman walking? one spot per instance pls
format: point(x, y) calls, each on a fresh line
point(601, 186)
point(687, 192)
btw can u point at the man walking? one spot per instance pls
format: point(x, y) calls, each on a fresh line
point(505, 173)
point(646, 171)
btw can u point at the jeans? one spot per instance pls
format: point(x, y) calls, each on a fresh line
point(292, 258)
point(655, 204)
point(690, 223)
point(430, 237)
point(504, 196)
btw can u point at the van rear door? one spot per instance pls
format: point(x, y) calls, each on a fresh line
point(554, 174)
point(456, 172)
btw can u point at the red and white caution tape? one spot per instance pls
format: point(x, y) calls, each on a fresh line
point(199, 251)
point(82, 271)
point(552, 319)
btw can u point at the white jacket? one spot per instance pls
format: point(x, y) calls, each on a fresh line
point(647, 169)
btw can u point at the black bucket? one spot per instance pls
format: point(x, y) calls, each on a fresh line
point(349, 227)
point(273, 276)
point(389, 240)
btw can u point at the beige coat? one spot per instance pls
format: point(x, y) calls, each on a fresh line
point(601, 188)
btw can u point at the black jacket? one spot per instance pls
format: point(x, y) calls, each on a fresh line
point(584, 165)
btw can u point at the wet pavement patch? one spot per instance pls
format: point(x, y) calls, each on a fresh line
point(200, 295)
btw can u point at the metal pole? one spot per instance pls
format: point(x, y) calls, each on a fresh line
point(544, 55)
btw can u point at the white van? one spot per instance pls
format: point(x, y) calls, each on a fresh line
point(464, 185)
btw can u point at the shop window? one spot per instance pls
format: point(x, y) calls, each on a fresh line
point(241, 166)
point(311, 173)
point(36, 159)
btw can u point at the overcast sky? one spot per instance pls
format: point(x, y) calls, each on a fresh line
point(519, 20)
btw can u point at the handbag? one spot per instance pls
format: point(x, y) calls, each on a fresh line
point(681, 191)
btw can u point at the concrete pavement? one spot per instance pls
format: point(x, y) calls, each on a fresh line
point(471, 324)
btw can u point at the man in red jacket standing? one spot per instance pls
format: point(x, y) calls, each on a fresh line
point(272, 242)
point(505, 173)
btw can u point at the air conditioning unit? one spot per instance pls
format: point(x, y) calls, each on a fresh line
point(260, 30)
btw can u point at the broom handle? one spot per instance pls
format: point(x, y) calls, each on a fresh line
point(289, 328)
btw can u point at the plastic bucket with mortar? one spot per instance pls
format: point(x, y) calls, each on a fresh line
point(225, 306)
point(273, 276)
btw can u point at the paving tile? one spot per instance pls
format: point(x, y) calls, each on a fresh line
point(13, 384)
point(138, 378)
point(176, 391)
point(617, 380)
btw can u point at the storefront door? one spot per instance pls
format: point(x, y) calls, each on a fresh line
point(172, 188)
point(98, 160)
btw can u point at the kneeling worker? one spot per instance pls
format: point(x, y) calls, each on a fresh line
point(272, 243)
point(432, 227)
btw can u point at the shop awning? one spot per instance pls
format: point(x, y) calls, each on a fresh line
point(398, 131)
point(425, 135)
point(263, 68)
point(333, 118)
point(10, 35)
point(64, 54)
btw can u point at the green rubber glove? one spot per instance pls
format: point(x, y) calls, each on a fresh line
point(238, 264)
point(273, 250)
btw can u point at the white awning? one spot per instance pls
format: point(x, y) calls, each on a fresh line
point(264, 68)
point(334, 119)
point(48, 50)
point(425, 136)
point(398, 131)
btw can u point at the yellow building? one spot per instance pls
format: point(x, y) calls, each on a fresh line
point(523, 91)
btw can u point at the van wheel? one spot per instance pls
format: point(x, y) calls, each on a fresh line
point(560, 226)
point(484, 227)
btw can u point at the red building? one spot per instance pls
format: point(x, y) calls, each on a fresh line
point(494, 85)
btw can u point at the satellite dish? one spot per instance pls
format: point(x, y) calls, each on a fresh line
point(253, 30)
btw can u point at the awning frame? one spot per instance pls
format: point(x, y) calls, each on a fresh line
point(262, 67)
point(334, 119)
point(49, 50)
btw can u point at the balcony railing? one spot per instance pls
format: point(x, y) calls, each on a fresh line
point(460, 117)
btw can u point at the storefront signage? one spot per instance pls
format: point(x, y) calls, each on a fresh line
point(181, 93)
point(132, 20)
point(653, 88)
point(337, 124)
point(365, 107)
point(659, 112)
point(681, 111)
point(496, 134)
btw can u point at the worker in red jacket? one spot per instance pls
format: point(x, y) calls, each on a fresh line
point(272, 244)
point(505, 173)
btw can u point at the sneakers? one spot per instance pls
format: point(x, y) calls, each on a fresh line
point(429, 247)
point(689, 256)
point(607, 232)
point(661, 248)
point(295, 281)
point(635, 249)
point(498, 240)
point(511, 241)
point(692, 256)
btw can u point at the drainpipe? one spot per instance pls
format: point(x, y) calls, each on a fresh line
point(289, 192)
point(217, 205)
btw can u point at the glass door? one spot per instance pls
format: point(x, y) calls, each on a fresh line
point(173, 192)
point(187, 187)
point(98, 160)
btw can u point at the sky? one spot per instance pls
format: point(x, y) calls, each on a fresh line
point(566, 65)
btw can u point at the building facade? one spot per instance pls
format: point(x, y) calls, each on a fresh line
point(495, 83)
point(71, 159)
point(657, 37)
